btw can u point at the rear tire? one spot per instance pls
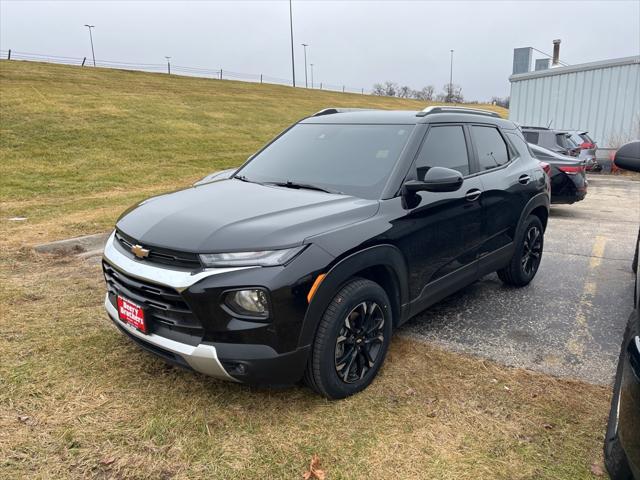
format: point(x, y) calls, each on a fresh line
point(527, 255)
point(351, 341)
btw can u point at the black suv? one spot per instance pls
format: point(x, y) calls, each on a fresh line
point(302, 262)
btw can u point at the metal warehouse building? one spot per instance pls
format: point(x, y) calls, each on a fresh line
point(602, 98)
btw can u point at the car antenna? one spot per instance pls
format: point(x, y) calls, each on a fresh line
point(550, 122)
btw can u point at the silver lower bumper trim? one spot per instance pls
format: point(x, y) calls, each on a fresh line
point(202, 358)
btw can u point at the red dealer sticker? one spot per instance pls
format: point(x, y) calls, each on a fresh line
point(132, 314)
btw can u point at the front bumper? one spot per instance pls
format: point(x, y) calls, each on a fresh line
point(190, 327)
point(201, 358)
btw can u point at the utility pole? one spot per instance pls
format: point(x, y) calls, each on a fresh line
point(293, 64)
point(91, 38)
point(311, 64)
point(168, 65)
point(451, 79)
point(306, 85)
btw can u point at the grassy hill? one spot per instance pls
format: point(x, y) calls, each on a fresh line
point(80, 144)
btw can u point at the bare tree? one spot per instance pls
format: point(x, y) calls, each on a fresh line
point(378, 89)
point(425, 94)
point(390, 89)
point(452, 93)
point(387, 89)
point(405, 92)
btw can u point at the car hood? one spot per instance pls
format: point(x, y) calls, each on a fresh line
point(231, 215)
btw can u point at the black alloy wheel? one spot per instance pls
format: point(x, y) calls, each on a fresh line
point(351, 340)
point(360, 341)
point(532, 250)
point(527, 254)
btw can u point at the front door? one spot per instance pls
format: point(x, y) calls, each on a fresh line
point(439, 236)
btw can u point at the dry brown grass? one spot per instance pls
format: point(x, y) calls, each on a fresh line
point(77, 399)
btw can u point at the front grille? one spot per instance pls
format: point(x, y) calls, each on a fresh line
point(165, 310)
point(162, 255)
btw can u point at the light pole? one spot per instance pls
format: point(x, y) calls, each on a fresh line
point(91, 38)
point(311, 65)
point(293, 66)
point(451, 79)
point(168, 65)
point(305, 45)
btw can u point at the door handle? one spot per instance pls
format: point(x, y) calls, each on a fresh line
point(473, 195)
point(524, 179)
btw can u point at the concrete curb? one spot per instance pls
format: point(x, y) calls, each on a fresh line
point(87, 245)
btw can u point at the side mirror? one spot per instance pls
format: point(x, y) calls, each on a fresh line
point(437, 179)
point(628, 156)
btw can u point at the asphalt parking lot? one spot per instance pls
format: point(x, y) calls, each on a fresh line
point(569, 320)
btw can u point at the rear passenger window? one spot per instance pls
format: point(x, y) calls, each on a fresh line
point(532, 137)
point(445, 147)
point(492, 151)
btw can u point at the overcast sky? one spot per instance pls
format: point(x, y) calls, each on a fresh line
point(356, 43)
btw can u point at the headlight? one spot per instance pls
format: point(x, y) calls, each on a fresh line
point(252, 302)
point(267, 258)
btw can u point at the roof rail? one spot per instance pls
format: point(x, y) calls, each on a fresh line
point(534, 128)
point(332, 110)
point(444, 109)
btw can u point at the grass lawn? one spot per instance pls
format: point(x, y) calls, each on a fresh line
point(79, 400)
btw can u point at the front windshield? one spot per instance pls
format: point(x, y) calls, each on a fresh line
point(352, 159)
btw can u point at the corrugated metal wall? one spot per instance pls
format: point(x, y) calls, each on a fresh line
point(602, 100)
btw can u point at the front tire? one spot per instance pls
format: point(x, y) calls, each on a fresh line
point(352, 340)
point(527, 256)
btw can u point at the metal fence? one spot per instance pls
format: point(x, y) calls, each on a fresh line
point(173, 69)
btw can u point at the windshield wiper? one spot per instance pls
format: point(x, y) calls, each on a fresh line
point(243, 178)
point(305, 186)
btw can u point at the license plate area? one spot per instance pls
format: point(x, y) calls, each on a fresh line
point(132, 314)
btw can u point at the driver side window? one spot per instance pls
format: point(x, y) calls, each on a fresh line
point(444, 146)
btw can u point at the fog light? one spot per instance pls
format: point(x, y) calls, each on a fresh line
point(252, 302)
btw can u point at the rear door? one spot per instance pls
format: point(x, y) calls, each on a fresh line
point(507, 187)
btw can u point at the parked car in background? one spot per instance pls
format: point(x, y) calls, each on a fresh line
point(304, 261)
point(588, 149)
point(568, 178)
point(558, 141)
point(622, 440)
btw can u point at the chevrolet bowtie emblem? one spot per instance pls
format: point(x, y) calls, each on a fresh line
point(139, 251)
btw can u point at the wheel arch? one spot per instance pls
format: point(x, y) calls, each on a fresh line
point(538, 206)
point(543, 214)
point(383, 264)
